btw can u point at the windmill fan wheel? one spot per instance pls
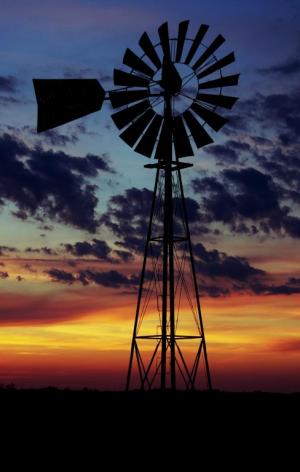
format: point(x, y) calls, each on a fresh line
point(183, 70)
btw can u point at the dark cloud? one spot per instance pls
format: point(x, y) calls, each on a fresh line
point(112, 278)
point(33, 250)
point(48, 251)
point(50, 185)
point(278, 111)
point(58, 275)
point(127, 217)
point(55, 138)
point(231, 152)
point(96, 248)
point(46, 227)
point(5, 249)
point(222, 153)
point(8, 84)
point(292, 226)
point(241, 197)
point(287, 68)
point(124, 256)
point(10, 100)
point(45, 250)
point(218, 264)
point(213, 291)
point(264, 289)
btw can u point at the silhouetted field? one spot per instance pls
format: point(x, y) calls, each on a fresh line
point(142, 406)
point(118, 426)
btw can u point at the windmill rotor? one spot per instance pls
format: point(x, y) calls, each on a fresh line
point(157, 73)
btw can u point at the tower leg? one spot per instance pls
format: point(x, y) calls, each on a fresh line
point(209, 384)
point(133, 343)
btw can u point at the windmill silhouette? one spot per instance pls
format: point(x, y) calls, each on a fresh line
point(163, 109)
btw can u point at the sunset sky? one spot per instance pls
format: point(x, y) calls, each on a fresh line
point(74, 201)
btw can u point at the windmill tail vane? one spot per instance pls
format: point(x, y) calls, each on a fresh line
point(166, 105)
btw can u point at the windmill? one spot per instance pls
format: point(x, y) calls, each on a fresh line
point(165, 98)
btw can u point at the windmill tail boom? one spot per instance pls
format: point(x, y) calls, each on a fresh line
point(63, 100)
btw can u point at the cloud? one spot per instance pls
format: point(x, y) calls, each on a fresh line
point(5, 249)
point(218, 264)
point(111, 278)
point(8, 84)
point(222, 153)
point(4, 275)
point(96, 248)
point(99, 249)
point(127, 217)
point(213, 291)
point(45, 184)
point(277, 111)
point(45, 250)
point(289, 67)
point(58, 275)
point(54, 138)
point(241, 197)
point(264, 289)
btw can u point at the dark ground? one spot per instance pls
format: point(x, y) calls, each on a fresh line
point(149, 407)
point(238, 430)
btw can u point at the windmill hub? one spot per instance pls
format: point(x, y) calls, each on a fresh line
point(171, 80)
point(182, 96)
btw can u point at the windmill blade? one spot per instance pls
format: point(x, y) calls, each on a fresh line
point(182, 143)
point(225, 61)
point(148, 140)
point(130, 59)
point(182, 30)
point(124, 117)
point(148, 48)
point(164, 145)
point(196, 42)
point(134, 131)
point(226, 81)
point(129, 80)
point(163, 32)
point(223, 101)
point(124, 97)
point(200, 136)
point(63, 100)
point(209, 51)
point(212, 118)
